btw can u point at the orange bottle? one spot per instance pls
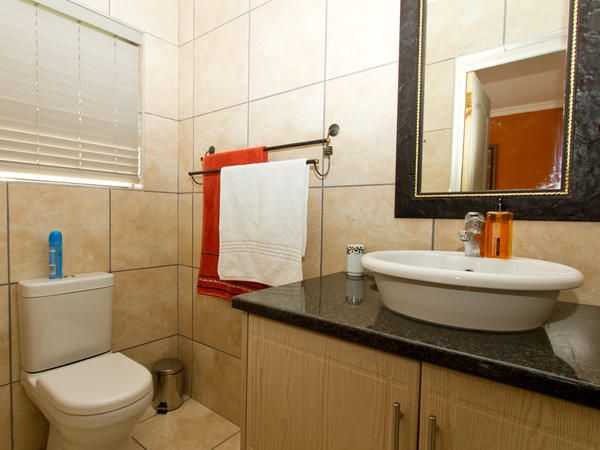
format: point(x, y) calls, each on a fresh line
point(498, 232)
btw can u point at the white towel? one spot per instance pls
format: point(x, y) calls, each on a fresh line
point(262, 222)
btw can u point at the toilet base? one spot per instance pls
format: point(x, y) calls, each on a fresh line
point(105, 431)
point(56, 442)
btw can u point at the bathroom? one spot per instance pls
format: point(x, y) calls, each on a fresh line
point(237, 74)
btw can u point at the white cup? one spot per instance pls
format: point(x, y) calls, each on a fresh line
point(353, 254)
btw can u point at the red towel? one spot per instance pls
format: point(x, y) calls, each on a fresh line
point(208, 276)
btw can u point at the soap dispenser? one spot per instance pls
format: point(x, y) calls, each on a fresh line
point(498, 236)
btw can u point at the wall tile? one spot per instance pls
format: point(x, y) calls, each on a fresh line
point(161, 150)
point(364, 105)
point(161, 77)
point(197, 229)
point(209, 14)
point(290, 117)
point(5, 425)
point(217, 324)
point(483, 20)
point(186, 155)
point(311, 264)
point(143, 229)
point(225, 130)
point(3, 235)
point(438, 104)
point(364, 35)
point(185, 252)
point(186, 81)
point(158, 17)
point(446, 235)
point(14, 335)
point(437, 156)
point(186, 21)
point(185, 353)
point(534, 18)
point(287, 46)
point(217, 382)
point(184, 300)
point(257, 3)
point(80, 213)
point(98, 5)
point(221, 67)
point(145, 306)
point(148, 354)
point(30, 427)
point(4, 337)
point(572, 243)
point(365, 215)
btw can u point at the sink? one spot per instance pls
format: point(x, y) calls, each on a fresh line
point(448, 288)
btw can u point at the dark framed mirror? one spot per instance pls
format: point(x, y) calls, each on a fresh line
point(499, 99)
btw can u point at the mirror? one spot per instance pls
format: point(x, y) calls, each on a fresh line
point(498, 98)
point(493, 100)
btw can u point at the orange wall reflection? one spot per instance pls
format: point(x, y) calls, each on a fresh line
point(528, 149)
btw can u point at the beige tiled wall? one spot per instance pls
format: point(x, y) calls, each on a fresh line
point(282, 71)
point(132, 234)
point(270, 72)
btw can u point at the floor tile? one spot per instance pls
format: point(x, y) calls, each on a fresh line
point(232, 443)
point(133, 445)
point(192, 426)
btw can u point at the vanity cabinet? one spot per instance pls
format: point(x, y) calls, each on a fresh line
point(466, 412)
point(305, 390)
point(309, 391)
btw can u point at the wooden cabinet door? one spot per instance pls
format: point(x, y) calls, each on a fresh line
point(477, 414)
point(308, 391)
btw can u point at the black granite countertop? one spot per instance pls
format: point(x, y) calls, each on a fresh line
point(562, 359)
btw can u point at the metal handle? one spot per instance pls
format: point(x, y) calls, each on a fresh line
point(432, 431)
point(397, 415)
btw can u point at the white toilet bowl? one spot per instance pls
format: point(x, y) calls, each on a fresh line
point(93, 404)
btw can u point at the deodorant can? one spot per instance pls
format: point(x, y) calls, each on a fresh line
point(55, 255)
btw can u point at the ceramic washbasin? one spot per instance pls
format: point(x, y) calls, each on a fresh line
point(451, 289)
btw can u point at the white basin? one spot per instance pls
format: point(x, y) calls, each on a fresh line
point(448, 288)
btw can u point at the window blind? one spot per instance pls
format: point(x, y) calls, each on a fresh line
point(69, 99)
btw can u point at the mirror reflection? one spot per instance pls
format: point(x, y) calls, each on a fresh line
point(494, 95)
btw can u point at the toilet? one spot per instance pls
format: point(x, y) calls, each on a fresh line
point(91, 397)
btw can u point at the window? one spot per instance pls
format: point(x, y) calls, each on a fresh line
point(69, 95)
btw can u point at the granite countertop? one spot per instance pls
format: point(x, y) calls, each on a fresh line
point(562, 359)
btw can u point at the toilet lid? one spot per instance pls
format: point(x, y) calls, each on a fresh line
point(97, 385)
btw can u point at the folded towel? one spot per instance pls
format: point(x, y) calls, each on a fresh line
point(262, 227)
point(208, 277)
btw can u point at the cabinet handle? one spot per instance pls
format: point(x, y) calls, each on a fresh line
point(432, 431)
point(397, 414)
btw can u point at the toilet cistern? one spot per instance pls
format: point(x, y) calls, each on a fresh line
point(472, 234)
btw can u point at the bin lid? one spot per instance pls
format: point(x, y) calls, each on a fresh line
point(169, 366)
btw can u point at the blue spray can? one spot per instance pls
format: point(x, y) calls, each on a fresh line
point(55, 255)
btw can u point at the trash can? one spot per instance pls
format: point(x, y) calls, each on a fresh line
point(167, 375)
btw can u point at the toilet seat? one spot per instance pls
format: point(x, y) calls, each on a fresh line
point(95, 386)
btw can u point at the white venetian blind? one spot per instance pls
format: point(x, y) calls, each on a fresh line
point(69, 99)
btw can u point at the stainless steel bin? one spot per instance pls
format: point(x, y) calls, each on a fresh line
point(167, 375)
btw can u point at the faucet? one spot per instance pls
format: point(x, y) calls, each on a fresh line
point(472, 235)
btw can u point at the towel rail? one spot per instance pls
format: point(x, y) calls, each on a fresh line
point(333, 130)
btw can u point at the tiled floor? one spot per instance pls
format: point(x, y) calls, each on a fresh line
point(192, 426)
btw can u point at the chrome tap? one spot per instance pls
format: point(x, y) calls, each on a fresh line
point(472, 235)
